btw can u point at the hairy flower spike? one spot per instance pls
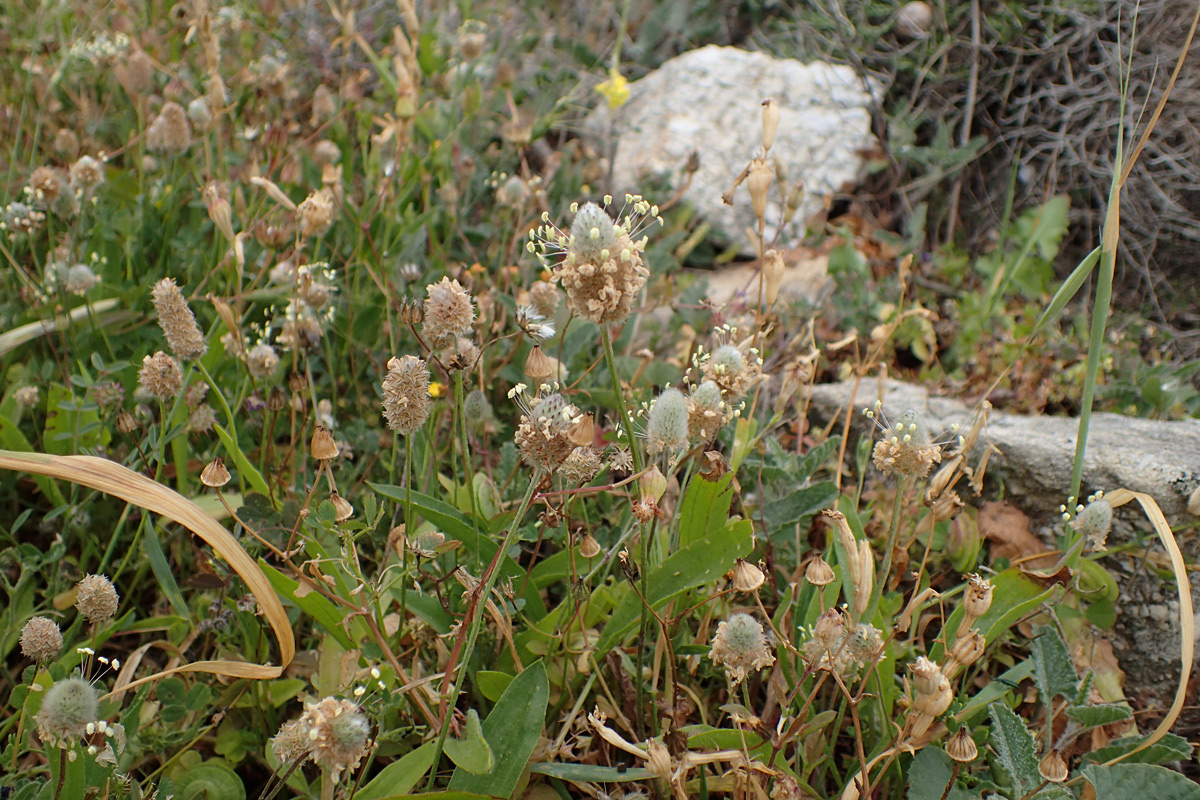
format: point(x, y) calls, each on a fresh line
point(667, 428)
point(448, 312)
point(406, 401)
point(67, 709)
point(740, 646)
point(334, 734)
point(177, 321)
point(1094, 521)
point(707, 412)
point(170, 132)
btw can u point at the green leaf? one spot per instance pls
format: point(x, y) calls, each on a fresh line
point(995, 690)
point(931, 772)
point(1169, 748)
point(472, 752)
point(492, 684)
point(163, 573)
point(1053, 671)
point(513, 729)
point(1014, 748)
point(399, 776)
point(701, 562)
point(312, 604)
point(705, 508)
point(1093, 716)
point(589, 773)
point(1123, 781)
point(781, 515)
point(212, 780)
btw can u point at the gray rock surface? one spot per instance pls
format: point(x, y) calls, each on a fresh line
point(1159, 458)
point(709, 101)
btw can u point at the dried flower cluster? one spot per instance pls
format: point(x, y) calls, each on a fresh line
point(449, 313)
point(96, 599)
point(740, 646)
point(543, 436)
point(41, 639)
point(170, 132)
point(406, 400)
point(161, 376)
point(334, 734)
point(905, 447)
point(600, 263)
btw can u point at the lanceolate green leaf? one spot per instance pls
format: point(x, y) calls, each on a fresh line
point(1014, 748)
point(400, 776)
point(513, 730)
point(705, 508)
point(1052, 669)
point(472, 751)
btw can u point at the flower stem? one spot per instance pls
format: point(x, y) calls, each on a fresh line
point(473, 621)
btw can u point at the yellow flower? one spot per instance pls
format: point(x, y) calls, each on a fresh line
point(436, 390)
point(615, 89)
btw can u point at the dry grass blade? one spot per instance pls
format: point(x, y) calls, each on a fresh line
point(1187, 621)
point(10, 340)
point(112, 478)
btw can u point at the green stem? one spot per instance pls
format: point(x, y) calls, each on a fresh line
point(902, 489)
point(626, 429)
point(475, 622)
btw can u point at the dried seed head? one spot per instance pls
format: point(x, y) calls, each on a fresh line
point(161, 376)
point(932, 692)
point(326, 152)
point(87, 173)
point(947, 506)
point(913, 20)
point(978, 597)
point(41, 639)
point(472, 37)
point(316, 213)
point(772, 276)
point(583, 430)
point(342, 510)
point(66, 142)
point(905, 448)
point(46, 183)
point(26, 396)
point(1053, 768)
point(177, 320)
point(322, 447)
point(961, 747)
point(126, 422)
point(449, 312)
point(543, 434)
point(406, 402)
point(80, 279)
point(770, 122)
point(588, 546)
point(334, 734)
point(758, 182)
point(581, 466)
point(170, 132)
point(215, 474)
point(740, 646)
point(538, 366)
point(966, 651)
point(652, 484)
point(96, 598)
point(819, 573)
point(544, 297)
point(67, 708)
point(747, 577)
point(667, 428)
point(261, 360)
point(137, 73)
